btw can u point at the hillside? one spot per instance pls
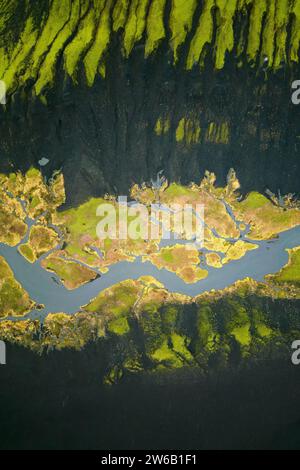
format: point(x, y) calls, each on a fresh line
point(112, 91)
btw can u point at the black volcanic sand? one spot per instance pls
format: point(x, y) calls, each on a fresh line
point(56, 401)
point(103, 137)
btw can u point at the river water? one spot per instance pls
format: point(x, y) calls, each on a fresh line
point(45, 288)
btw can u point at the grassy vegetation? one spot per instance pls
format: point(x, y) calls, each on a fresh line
point(214, 260)
point(180, 259)
point(72, 274)
point(266, 219)
point(82, 34)
point(176, 331)
point(66, 27)
point(162, 126)
point(225, 35)
point(120, 14)
point(119, 326)
point(179, 346)
point(238, 250)
point(155, 26)
point(188, 131)
point(181, 20)
point(135, 25)
point(254, 200)
point(82, 41)
point(165, 355)
point(290, 274)
point(242, 321)
point(218, 133)
point(203, 35)
point(242, 334)
point(21, 50)
point(295, 36)
point(216, 216)
point(14, 301)
point(13, 230)
point(41, 240)
point(116, 301)
point(26, 251)
point(37, 196)
point(81, 223)
point(256, 23)
point(177, 190)
point(207, 333)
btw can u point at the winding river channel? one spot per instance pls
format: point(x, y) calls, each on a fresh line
point(45, 287)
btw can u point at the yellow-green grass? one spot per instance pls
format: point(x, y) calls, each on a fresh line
point(177, 190)
point(218, 133)
point(93, 60)
point(42, 239)
point(115, 301)
point(238, 250)
point(119, 326)
point(37, 196)
point(203, 35)
point(180, 346)
point(82, 33)
point(23, 333)
point(181, 20)
point(14, 300)
point(65, 26)
point(266, 219)
point(180, 259)
point(135, 24)
point(206, 331)
point(242, 334)
point(81, 227)
point(256, 22)
point(263, 330)
point(27, 252)
point(166, 356)
point(188, 131)
point(162, 126)
point(63, 331)
point(155, 26)
point(168, 342)
point(72, 274)
point(290, 274)
point(225, 34)
point(216, 216)
point(214, 260)
point(173, 351)
point(13, 230)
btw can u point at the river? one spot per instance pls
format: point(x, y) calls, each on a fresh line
point(45, 288)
